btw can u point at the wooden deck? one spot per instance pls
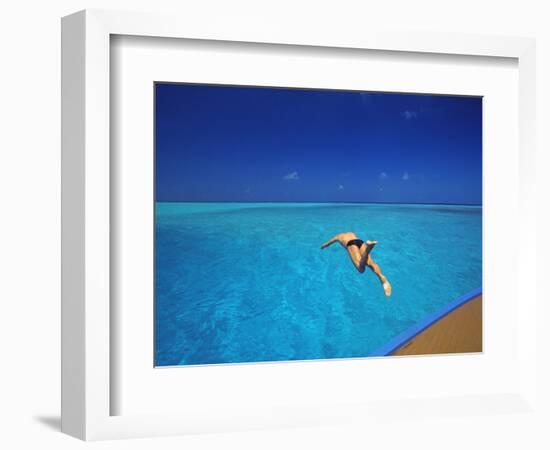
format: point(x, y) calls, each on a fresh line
point(458, 332)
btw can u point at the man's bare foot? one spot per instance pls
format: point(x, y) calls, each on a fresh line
point(371, 243)
point(387, 288)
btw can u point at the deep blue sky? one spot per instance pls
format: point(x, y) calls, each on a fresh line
point(226, 143)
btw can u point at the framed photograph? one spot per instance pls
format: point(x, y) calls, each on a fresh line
point(252, 182)
point(264, 228)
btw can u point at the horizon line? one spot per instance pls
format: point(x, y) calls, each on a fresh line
point(306, 201)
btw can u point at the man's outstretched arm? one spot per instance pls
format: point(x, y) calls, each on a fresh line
point(332, 241)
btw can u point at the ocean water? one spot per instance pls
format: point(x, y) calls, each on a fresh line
point(247, 282)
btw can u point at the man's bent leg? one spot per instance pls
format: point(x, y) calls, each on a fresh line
point(376, 269)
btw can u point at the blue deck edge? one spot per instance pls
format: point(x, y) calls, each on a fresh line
point(402, 338)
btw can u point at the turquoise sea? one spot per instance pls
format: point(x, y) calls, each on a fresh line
point(247, 282)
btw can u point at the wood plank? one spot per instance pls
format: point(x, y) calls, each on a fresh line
point(458, 332)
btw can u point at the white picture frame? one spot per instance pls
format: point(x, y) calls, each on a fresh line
point(86, 215)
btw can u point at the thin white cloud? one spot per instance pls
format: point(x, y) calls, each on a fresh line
point(383, 175)
point(293, 176)
point(408, 115)
point(340, 187)
point(405, 176)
